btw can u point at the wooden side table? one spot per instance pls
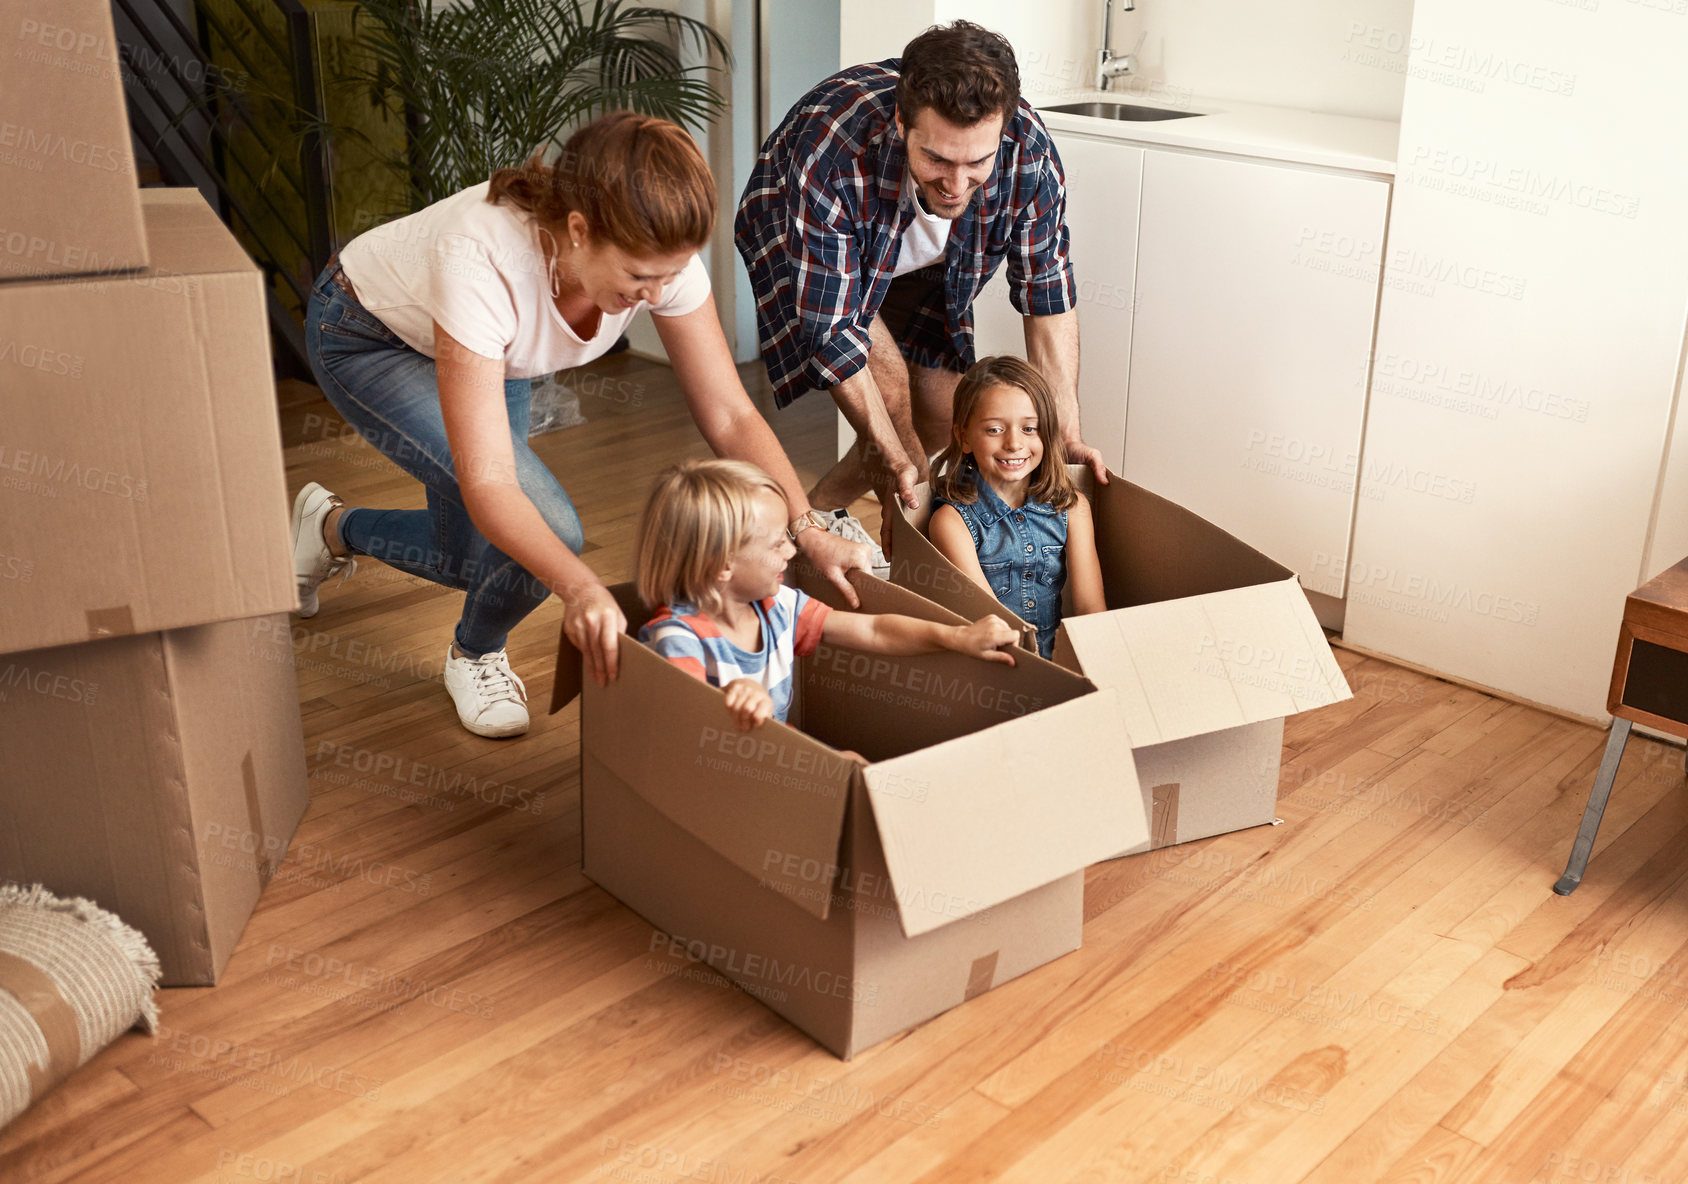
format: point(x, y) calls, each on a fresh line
point(1649, 686)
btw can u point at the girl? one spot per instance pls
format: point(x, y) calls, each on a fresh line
point(424, 334)
point(1008, 514)
point(713, 546)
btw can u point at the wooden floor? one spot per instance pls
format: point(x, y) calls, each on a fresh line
point(1381, 988)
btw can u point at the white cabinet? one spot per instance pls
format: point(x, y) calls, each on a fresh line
point(1103, 178)
point(1256, 293)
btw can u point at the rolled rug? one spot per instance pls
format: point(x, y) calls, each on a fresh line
point(73, 978)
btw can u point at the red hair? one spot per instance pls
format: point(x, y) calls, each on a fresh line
point(639, 181)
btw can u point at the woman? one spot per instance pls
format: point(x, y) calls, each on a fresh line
point(424, 334)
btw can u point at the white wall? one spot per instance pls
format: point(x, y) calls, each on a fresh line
point(1529, 339)
point(801, 39)
point(1342, 56)
point(716, 145)
point(873, 29)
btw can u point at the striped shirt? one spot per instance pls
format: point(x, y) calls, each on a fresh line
point(791, 628)
point(821, 223)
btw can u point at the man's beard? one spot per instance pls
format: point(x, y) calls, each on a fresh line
point(959, 208)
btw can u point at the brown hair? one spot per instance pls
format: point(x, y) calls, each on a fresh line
point(639, 181)
point(962, 71)
point(698, 513)
point(1051, 483)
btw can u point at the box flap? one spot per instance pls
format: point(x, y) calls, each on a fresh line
point(916, 563)
point(1201, 663)
point(1154, 550)
point(876, 595)
point(981, 819)
point(770, 801)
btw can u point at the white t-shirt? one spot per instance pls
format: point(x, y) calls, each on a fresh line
point(479, 270)
point(924, 240)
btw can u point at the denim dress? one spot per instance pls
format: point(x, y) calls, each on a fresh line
point(1022, 552)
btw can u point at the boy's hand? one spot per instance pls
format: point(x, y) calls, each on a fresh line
point(749, 702)
point(988, 638)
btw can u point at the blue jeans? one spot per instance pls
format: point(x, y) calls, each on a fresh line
point(388, 392)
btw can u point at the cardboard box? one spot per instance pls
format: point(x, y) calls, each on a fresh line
point(161, 776)
point(141, 478)
point(68, 198)
point(855, 900)
point(1209, 643)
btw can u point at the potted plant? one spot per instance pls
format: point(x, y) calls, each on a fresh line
point(481, 86)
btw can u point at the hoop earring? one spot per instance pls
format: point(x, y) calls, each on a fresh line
point(551, 266)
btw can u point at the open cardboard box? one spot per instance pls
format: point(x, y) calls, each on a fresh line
point(856, 900)
point(1209, 643)
point(69, 204)
point(161, 776)
point(141, 478)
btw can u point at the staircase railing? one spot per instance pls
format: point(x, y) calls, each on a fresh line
point(191, 113)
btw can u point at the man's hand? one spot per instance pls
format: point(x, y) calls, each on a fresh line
point(749, 702)
point(594, 623)
point(833, 556)
point(889, 469)
point(1080, 453)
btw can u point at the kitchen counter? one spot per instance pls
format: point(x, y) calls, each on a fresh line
point(1243, 129)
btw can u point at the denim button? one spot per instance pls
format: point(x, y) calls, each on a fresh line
point(1028, 548)
point(1031, 604)
point(1019, 517)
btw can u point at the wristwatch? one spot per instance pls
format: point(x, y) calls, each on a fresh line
point(798, 525)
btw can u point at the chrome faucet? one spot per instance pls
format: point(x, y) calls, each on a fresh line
point(1110, 65)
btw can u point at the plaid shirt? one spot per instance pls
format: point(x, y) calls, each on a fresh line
point(821, 223)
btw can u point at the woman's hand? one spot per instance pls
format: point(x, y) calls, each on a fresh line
point(749, 702)
point(834, 556)
point(989, 638)
point(594, 623)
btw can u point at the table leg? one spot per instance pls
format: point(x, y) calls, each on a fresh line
point(1596, 808)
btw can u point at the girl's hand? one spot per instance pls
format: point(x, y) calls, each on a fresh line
point(833, 557)
point(749, 702)
point(594, 623)
point(988, 639)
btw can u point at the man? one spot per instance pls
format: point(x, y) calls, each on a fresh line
point(877, 212)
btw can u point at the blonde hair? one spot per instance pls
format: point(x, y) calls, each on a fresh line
point(698, 513)
point(1051, 483)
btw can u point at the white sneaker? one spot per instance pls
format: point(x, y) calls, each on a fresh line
point(313, 562)
point(491, 700)
point(847, 526)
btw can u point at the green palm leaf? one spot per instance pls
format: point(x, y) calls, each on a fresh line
point(481, 87)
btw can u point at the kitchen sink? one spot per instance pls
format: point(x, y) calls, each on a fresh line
point(1128, 111)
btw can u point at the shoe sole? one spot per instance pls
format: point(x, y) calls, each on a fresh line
point(306, 609)
point(505, 733)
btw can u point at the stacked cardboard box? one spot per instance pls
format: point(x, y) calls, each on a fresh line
point(149, 720)
point(141, 480)
point(67, 201)
point(161, 775)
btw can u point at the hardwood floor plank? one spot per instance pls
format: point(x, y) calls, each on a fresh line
point(1381, 988)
